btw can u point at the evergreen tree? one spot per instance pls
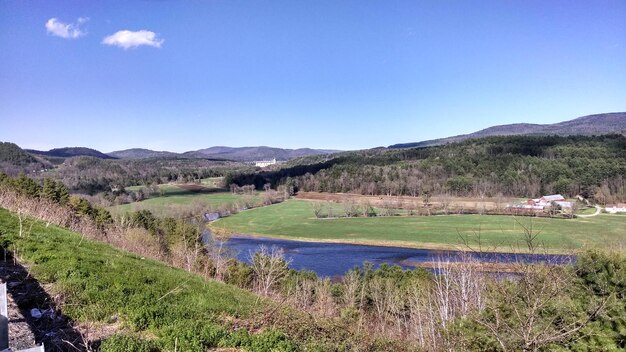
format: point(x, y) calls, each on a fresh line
point(27, 186)
point(49, 190)
point(102, 217)
point(63, 194)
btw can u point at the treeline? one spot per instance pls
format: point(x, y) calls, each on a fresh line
point(55, 193)
point(519, 166)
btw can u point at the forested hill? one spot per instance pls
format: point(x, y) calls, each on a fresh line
point(71, 152)
point(12, 153)
point(520, 166)
point(14, 160)
point(587, 125)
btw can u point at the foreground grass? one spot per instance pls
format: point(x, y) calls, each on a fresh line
point(150, 305)
point(294, 219)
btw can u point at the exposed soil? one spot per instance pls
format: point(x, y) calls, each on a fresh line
point(20, 335)
point(408, 202)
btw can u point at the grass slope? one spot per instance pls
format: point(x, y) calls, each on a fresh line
point(158, 306)
point(294, 219)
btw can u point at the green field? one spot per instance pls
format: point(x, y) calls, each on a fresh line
point(294, 219)
point(176, 200)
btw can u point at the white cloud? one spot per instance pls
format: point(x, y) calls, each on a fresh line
point(66, 30)
point(128, 39)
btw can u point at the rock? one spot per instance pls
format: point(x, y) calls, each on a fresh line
point(35, 313)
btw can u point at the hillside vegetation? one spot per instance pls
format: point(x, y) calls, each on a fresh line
point(518, 166)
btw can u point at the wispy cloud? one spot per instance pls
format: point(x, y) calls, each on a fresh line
point(128, 39)
point(66, 30)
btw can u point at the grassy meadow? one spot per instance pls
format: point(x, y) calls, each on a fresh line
point(174, 199)
point(294, 219)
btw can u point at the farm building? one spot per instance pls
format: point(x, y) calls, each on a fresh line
point(540, 204)
point(546, 200)
point(616, 208)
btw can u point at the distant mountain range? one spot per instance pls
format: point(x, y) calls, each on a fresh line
point(587, 125)
point(255, 153)
point(221, 152)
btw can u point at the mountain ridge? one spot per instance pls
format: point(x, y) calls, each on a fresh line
point(595, 124)
point(68, 152)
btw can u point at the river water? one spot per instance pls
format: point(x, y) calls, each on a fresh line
point(335, 259)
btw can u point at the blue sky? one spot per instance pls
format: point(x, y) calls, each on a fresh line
point(322, 74)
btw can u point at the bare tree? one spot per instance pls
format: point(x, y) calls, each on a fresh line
point(324, 304)
point(219, 254)
point(351, 282)
point(270, 267)
point(350, 208)
point(517, 317)
point(317, 209)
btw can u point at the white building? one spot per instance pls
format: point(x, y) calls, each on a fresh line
point(264, 163)
point(616, 208)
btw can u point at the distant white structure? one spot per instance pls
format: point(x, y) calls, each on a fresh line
point(616, 208)
point(264, 163)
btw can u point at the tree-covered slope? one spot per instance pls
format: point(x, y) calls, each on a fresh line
point(12, 153)
point(520, 166)
point(14, 160)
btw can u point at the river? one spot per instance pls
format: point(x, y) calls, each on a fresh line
point(335, 259)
